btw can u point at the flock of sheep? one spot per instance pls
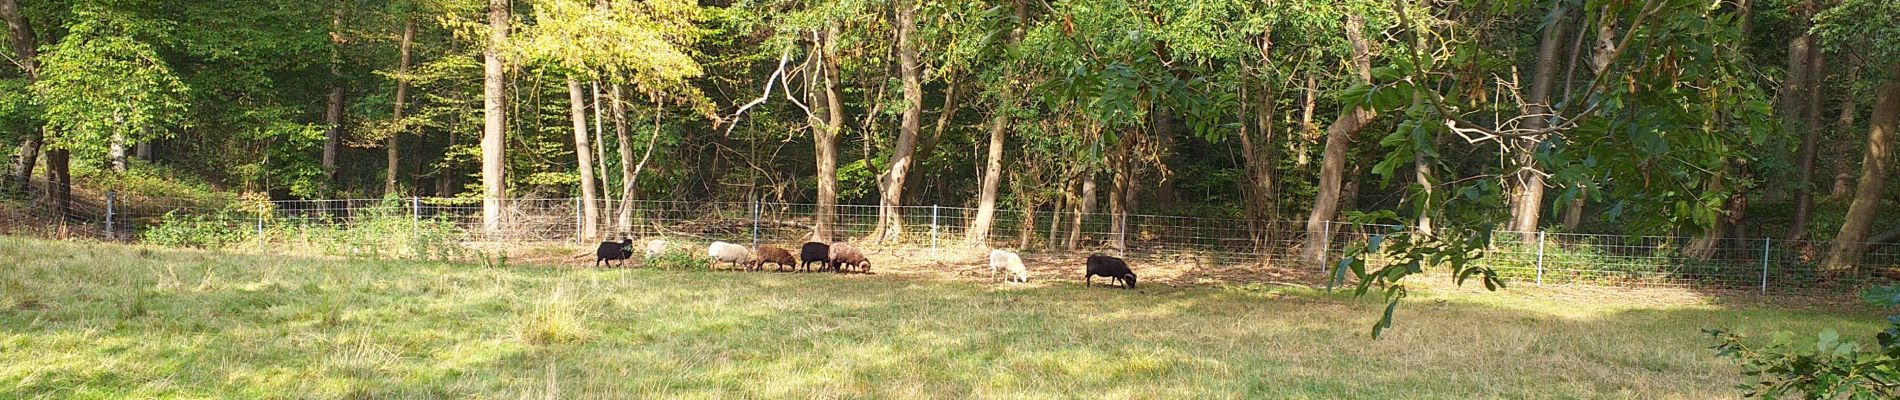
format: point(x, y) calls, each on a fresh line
point(843, 257)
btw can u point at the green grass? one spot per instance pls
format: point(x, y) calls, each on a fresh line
point(106, 321)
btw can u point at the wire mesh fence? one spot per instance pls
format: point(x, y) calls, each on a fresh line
point(451, 227)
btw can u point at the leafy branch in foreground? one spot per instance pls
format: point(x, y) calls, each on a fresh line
point(1833, 368)
point(1408, 252)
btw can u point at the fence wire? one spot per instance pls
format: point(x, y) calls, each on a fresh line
point(440, 227)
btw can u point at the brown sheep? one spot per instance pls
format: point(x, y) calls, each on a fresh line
point(845, 255)
point(775, 255)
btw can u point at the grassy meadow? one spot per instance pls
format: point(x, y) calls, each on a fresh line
point(87, 320)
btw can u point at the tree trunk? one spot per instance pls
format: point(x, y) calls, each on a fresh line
point(1528, 204)
point(999, 130)
point(1792, 105)
point(1704, 246)
point(25, 46)
point(1308, 103)
point(333, 107)
point(1338, 140)
point(1087, 199)
point(394, 155)
point(1843, 175)
point(617, 102)
point(590, 207)
point(1573, 214)
point(1422, 176)
point(992, 174)
point(631, 173)
point(143, 151)
point(927, 146)
point(445, 184)
point(1875, 165)
point(891, 193)
point(1055, 216)
point(624, 220)
point(115, 151)
point(59, 179)
point(1257, 153)
point(494, 118)
point(826, 137)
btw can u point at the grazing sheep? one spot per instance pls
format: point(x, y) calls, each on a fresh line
point(1004, 260)
point(845, 255)
point(610, 251)
point(813, 252)
point(775, 255)
point(656, 248)
point(728, 252)
point(1111, 267)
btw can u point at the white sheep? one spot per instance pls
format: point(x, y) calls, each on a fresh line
point(1004, 260)
point(728, 252)
point(655, 248)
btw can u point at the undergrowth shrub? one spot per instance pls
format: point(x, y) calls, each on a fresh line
point(385, 231)
point(207, 231)
point(675, 258)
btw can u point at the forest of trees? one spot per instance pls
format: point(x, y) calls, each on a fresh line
point(1713, 119)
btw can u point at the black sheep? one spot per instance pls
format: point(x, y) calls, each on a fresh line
point(610, 251)
point(814, 252)
point(1111, 267)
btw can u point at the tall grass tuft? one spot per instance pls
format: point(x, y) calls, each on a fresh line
point(554, 320)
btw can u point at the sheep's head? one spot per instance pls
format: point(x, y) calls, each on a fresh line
point(1131, 279)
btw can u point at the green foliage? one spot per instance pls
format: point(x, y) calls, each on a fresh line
point(104, 80)
point(1864, 26)
point(206, 231)
point(1830, 369)
point(388, 231)
point(379, 232)
point(675, 258)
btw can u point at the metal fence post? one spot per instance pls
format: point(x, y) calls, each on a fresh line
point(755, 223)
point(933, 229)
point(1325, 245)
point(415, 215)
point(1540, 258)
point(111, 200)
point(260, 229)
point(1764, 266)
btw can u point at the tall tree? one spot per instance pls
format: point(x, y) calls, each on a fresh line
point(393, 153)
point(333, 103)
point(494, 117)
point(1875, 165)
point(1528, 204)
point(891, 190)
point(590, 206)
point(999, 131)
point(1339, 137)
point(825, 132)
point(1800, 92)
point(624, 220)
